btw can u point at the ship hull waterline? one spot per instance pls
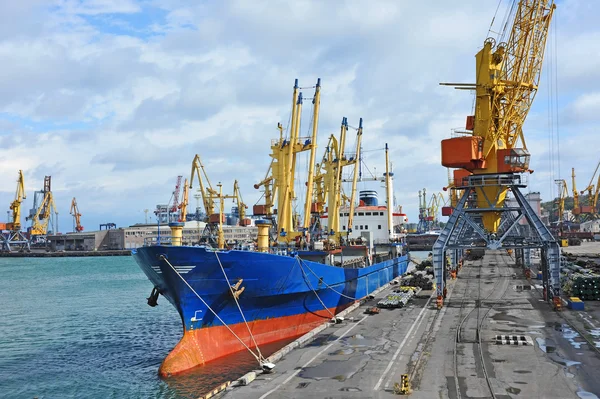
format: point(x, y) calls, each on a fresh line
point(282, 297)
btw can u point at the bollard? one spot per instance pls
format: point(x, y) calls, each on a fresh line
point(404, 387)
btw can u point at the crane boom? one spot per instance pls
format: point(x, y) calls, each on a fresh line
point(175, 205)
point(43, 214)
point(207, 191)
point(15, 206)
point(184, 202)
point(74, 211)
point(237, 198)
point(507, 78)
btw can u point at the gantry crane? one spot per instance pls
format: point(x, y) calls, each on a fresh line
point(13, 235)
point(494, 150)
point(74, 211)
point(42, 216)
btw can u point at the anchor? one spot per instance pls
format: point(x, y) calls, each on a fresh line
point(153, 298)
point(236, 290)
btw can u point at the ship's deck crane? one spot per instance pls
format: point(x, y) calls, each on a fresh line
point(74, 211)
point(493, 149)
point(14, 235)
point(280, 180)
point(175, 204)
point(45, 212)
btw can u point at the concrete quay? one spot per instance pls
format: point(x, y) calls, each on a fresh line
point(365, 356)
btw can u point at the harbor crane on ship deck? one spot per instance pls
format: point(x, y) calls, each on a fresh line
point(494, 155)
point(13, 235)
point(74, 211)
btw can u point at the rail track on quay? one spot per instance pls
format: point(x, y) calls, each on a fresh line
point(497, 292)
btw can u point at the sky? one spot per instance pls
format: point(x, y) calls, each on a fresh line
point(113, 98)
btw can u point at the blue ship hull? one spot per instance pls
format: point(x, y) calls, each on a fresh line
point(280, 296)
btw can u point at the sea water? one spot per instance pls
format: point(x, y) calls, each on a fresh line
point(81, 328)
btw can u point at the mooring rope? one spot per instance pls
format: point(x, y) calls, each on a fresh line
point(313, 290)
point(258, 359)
point(238, 306)
point(327, 285)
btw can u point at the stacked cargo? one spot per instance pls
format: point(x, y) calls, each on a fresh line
point(420, 279)
point(580, 282)
point(399, 298)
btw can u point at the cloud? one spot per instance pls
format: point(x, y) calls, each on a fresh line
point(114, 98)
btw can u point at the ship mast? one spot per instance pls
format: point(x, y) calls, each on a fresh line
point(389, 190)
point(313, 150)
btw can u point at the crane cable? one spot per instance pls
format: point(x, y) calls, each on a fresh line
point(260, 360)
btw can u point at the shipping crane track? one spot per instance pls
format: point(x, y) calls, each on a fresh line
point(478, 329)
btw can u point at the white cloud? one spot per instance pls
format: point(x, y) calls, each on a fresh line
point(114, 114)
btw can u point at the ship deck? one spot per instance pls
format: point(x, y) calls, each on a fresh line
point(364, 356)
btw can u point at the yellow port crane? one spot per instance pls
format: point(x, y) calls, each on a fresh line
point(15, 206)
point(492, 154)
point(507, 78)
point(206, 189)
point(14, 235)
point(182, 206)
point(44, 212)
point(237, 199)
point(436, 201)
point(563, 193)
point(74, 211)
point(593, 192)
point(280, 180)
point(334, 160)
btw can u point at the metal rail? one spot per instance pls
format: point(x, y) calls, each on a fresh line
point(479, 328)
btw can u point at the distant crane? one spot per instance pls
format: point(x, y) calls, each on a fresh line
point(592, 195)
point(74, 211)
point(207, 192)
point(15, 206)
point(237, 198)
point(146, 215)
point(41, 217)
point(175, 205)
point(14, 235)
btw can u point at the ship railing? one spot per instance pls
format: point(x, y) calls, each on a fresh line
point(161, 240)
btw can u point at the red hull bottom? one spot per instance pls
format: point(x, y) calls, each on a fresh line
point(198, 347)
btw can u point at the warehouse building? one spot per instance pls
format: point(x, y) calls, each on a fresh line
point(135, 236)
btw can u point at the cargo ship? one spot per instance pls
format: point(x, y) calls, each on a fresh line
point(300, 272)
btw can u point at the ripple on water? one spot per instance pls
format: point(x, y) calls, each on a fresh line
point(80, 327)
